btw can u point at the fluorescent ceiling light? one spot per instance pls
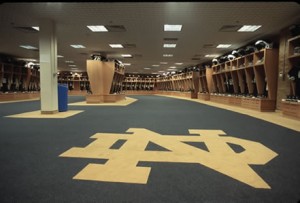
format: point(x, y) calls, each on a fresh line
point(178, 64)
point(36, 28)
point(69, 61)
point(249, 28)
point(97, 28)
point(211, 55)
point(168, 55)
point(147, 68)
point(155, 65)
point(77, 46)
point(28, 47)
point(126, 55)
point(168, 27)
point(72, 65)
point(116, 45)
point(172, 67)
point(60, 56)
point(169, 45)
point(164, 63)
point(127, 64)
point(161, 71)
point(223, 45)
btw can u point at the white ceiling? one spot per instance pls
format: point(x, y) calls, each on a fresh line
point(144, 28)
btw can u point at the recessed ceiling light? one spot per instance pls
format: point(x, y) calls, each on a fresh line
point(116, 45)
point(155, 65)
point(223, 45)
point(169, 45)
point(172, 67)
point(36, 28)
point(60, 56)
point(249, 28)
point(127, 64)
point(97, 28)
point(28, 47)
point(164, 63)
point(126, 55)
point(77, 46)
point(168, 55)
point(168, 27)
point(211, 55)
point(69, 61)
point(178, 64)
point(147, 68)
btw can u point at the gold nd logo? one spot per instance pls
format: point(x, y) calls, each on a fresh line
point(122, 163)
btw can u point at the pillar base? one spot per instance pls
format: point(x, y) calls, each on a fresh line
point(49, 112)
point(111, 98)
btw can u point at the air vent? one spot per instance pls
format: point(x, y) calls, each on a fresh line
point(26, 29)
point(230, 28)
point(129, 45)
point(115, 28)
point(170, 39)
point(208, 46)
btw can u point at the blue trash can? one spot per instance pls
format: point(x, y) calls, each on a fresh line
point(62, 97)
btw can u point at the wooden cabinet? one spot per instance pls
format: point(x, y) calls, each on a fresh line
point(105, 80)
point(16, 78)
point(290, 106)
point(187, 83)
point(252, 78)
point(139, 83)
point(294, 66)
point(77, 82)
point(18, 82)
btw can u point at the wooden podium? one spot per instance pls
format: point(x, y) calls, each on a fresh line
point(105, 81)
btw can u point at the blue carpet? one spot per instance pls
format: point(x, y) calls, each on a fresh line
point(32, 171)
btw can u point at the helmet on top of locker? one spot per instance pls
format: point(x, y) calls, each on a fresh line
point(223, 59)
point(260, 44)
point(231, 57)
point(294, 30)
point(215, 61)
point(235, 53)
point(250, 49)
point(241, 52)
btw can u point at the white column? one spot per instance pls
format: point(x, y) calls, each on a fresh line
point(48, 67)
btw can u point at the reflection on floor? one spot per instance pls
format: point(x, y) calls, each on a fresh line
point(272, 117)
